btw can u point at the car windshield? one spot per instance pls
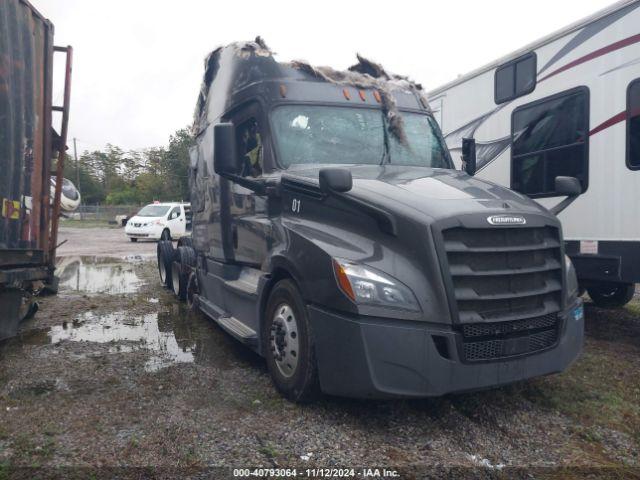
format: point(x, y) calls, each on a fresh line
point(341, 135)
point(153, 211)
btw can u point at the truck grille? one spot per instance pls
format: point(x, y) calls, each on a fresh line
point(506, 284)
point(503, 274)
point(493, 341)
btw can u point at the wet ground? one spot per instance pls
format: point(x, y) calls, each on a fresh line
point(114, 372)
point(105, 241)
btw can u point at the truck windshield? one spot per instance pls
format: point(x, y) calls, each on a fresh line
point(153, 211)
point(341, 135)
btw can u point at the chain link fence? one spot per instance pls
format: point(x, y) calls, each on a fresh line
point(103, 213)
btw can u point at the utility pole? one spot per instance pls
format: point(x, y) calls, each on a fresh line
point(75, 157)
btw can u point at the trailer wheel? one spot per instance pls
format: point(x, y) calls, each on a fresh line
point(184, 260)
point(611, 295)
point(165, 255)
point(288, 344)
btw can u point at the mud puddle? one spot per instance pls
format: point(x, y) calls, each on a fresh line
point(93, 274)
point(169, 337)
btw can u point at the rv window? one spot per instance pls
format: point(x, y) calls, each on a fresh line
point(515, 78)
point(549, 139)
point(633, 126)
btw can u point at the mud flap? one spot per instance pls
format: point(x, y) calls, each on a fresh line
point(10, 301)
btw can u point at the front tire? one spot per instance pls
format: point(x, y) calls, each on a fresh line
point(165, 235)
point(611, 295)
point(288, 344)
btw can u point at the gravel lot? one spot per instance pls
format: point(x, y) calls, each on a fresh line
point(113, 372)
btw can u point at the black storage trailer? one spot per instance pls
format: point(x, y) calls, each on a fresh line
point(332, 235)
point(28, 143)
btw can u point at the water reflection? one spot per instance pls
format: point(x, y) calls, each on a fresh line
point(97, 275)
point(171, 337)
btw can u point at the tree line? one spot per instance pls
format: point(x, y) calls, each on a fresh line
point(114, 176)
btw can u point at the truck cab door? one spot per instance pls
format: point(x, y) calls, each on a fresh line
point(250, 225)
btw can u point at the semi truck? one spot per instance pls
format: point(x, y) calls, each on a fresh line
point(28, 145)
point(333, 235)
point(567, 104)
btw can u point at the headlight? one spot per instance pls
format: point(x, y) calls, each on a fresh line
point(159, 222)
point(366, 286)
point(572, 279)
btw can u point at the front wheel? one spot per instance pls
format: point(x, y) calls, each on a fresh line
point(288, 344)
point(165, 235)
point(611, 295)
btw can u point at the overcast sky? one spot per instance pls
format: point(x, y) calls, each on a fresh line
point(138, 63)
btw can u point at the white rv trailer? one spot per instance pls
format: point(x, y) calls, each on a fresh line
point(567, 105)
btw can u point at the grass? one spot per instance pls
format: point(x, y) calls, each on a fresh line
point(269, 450)
point(598, 390)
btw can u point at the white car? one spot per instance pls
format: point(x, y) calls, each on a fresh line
point(160, 221)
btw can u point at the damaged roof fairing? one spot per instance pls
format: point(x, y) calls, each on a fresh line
point(240, 64)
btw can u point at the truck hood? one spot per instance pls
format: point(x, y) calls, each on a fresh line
point(420, 191)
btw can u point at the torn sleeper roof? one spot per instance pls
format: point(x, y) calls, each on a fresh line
point(364, 74)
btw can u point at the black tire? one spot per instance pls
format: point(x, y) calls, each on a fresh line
point(193, 291)
point(302, 385)
point(165, 254)
point(184, 261)
point(611, 295)
point(134, 240)
point(165, 235)
point(185, 242)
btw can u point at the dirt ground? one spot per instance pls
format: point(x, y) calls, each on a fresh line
point(114, 373)
point(105, 241)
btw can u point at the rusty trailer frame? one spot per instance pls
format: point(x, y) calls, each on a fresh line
point(28, 145)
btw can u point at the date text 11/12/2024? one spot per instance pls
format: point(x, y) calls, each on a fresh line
point(315, 473)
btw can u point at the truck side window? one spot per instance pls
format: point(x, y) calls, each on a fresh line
point(249, 147)
point(633, 125)
point(515, 78)
point(549, 139)
point(175, 213)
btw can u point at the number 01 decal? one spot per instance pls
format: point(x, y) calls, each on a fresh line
point(295, 205)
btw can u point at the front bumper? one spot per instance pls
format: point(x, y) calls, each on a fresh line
point(144, 232)
point(382, 358)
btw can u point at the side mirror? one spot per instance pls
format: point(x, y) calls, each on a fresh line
point(569, 186)
point(469, 155)
point(224, 151)
point(338, 180)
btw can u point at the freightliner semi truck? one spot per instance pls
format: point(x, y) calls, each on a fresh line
point(333, 235)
